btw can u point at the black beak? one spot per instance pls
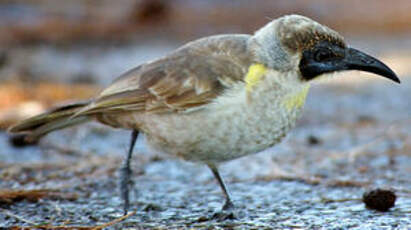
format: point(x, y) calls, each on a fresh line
point(327, 58)
point(357, 60)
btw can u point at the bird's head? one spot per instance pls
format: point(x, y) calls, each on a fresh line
point(297, 43)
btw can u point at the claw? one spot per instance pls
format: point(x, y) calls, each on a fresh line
point(228, 205)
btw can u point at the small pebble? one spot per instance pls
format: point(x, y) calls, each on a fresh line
point(152, 207)
point(379, 199)
point(20, 141)
point(313, 140)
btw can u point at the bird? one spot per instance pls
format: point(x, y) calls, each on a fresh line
point(217, 98)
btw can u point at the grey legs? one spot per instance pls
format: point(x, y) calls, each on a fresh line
point(125, 173)
point(228, 203)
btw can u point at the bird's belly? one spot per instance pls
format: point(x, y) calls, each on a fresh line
point(216, 135)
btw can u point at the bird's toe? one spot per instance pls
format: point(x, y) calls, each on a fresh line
point(224, 215)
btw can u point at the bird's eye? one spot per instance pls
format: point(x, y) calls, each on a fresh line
point(322, 55)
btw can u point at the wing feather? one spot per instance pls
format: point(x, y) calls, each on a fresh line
point(189, 78)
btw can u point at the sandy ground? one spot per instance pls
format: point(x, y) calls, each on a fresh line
point(355, 135)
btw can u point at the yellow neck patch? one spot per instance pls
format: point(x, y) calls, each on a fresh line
point(254, 74)
point(297, 100)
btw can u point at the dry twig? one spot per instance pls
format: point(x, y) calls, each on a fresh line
point(8, 196)
point(64, 227)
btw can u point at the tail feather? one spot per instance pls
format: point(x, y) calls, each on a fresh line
point(58, 118)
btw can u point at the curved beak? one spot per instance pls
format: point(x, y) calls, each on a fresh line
point(357, 60)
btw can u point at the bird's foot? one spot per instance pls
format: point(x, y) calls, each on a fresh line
point(226, 213)
point(228, 205)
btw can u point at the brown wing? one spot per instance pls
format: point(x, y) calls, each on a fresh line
point(190, 77)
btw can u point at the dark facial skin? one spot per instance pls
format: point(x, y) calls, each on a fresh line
point(326, 57)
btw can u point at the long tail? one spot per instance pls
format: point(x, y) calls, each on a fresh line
point(58, 118)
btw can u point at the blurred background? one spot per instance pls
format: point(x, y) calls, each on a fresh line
point(355, 133)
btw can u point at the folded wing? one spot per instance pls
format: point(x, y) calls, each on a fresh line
point(189, 78)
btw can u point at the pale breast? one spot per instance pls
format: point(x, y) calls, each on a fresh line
point(225, 130)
